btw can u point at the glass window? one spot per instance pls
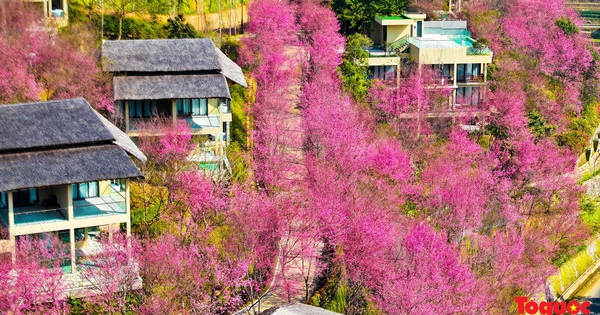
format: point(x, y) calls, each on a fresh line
point(203, 106)
point(476, 69)
point(460, 72)
point(143, 108)
point(85, 190)
point(118, 184)
point(33, 195)
point(23, 197)
point(3, 203)
point(225, 105)
point(195, 106)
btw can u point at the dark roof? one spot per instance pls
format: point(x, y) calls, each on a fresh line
point(170, 86)
point(168, 55)
point(64, 166)
point(61, 142)
point(49, 124)
point(122, 140)
point(298, 309)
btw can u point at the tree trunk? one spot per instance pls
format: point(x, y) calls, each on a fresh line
point(120, 27)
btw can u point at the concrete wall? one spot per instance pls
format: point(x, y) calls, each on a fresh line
point(384, 61)
point(395, 32)
point(445, 24)
point(447, 55)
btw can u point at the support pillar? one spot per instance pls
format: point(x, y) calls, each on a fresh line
point(128, 208)
point(126, 116)
point(72, 243)
point(11, 225)
point(174, 111)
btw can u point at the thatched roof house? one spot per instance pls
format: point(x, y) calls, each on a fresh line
point(61, 142)
point(169, 69)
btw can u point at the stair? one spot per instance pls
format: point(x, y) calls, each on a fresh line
point(400, 45)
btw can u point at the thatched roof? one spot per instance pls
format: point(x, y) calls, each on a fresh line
point(168, 56)
point(122, 140)
point(170, 87)
point(61, 142)
point(49, 124)
point(65, 166)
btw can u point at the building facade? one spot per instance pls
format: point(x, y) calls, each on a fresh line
point(446, 47)
point(174, 79)
point(65, 170)
point(56, 10)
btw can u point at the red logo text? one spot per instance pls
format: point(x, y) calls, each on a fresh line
point(549, 308)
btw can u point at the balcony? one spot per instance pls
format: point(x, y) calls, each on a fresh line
point(86, 208)
point(479, 51)
point(35, 214)
point(442, 80)
point(380, 51)
point(477, 78)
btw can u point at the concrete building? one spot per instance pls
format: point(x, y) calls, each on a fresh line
point(56, 10)
point(444, 46)
point(64, 169)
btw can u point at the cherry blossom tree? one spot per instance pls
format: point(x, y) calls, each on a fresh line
point(37, 64)
point(35, 282)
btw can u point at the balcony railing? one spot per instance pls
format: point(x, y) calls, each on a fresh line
point(35, 214)
point(442, 80)
point(471, 78)
point(478, 51)
point(376, 51)
point(111, 202)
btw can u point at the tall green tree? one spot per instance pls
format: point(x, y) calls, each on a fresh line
point(356, 15)
point(355, 65)
point(177, 27)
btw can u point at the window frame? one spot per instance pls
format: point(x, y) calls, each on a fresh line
point(76, 190)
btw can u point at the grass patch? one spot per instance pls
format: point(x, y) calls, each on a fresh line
point(571, 270)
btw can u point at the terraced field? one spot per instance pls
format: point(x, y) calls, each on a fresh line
point(589, 10)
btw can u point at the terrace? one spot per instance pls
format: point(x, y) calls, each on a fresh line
point(49, 210)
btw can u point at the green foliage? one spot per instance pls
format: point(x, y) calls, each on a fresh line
point(78, 306)
point(576, 137)
point(481, 43)
point(538, 125)
point(147, 202)
point(214, 6)
point(567, 26)
point(570, 270)
point(588, 175)
point(497, 131)
point(356, 15)
point(177, 27)
point(239, 132)
point(159, 7)
point(236, 152)
point(133, 28)
point(485, 141)
point(230, 46)
point(590, 14)
point(590, 212)
point(354, 66)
